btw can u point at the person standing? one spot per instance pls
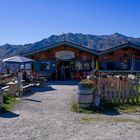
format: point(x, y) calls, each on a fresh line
point(62, 69)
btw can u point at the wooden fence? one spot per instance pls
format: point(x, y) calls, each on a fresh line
point(116, 89)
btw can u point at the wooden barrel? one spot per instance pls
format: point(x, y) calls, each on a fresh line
point(84, 97)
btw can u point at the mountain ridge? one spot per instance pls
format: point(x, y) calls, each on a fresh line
point(95, 42)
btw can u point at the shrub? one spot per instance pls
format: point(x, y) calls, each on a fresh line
point(87, 83)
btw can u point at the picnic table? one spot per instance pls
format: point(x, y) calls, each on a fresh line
point(39, 81)
point(13, 87)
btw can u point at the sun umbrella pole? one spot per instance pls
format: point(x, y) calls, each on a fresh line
point(19, 81)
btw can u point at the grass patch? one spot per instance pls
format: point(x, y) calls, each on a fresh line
point(89, 119)
point(127, 108)
point(9, 102)
point(75, 108)
point(107, 120)
point(119, 107)
point(108, 107)
point(138, 88)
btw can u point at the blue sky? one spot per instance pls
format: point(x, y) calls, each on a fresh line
point(27, 21)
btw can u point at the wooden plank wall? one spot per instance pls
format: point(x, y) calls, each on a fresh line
point(50, 54)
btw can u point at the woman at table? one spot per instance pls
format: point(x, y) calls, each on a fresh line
point(33, 75)
point(26, 77)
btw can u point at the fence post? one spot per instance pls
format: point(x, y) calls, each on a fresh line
point(114, 90)
point(109, 95)
point(106, 88)
point(101, 88)
point(132, 92)
point(128, 89)
point(123, 91)
point(119, 89)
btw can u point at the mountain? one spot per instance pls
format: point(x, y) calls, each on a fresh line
point(95, 42)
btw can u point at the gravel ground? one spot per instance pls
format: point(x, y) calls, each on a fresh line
point(46, 115)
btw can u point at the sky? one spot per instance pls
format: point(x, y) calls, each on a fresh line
point(29, 21)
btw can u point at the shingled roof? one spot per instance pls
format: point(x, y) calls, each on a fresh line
point(95, 52)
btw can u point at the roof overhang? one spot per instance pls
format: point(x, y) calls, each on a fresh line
point(82, 48)
point(60, 44)
point(122, 46)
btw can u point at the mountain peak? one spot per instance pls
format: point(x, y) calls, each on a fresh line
point(7, 44)
point(118, 34)
point(95, 42)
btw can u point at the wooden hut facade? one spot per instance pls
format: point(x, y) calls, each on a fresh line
point(122, 58)
point(79, 61)
point(76, 59)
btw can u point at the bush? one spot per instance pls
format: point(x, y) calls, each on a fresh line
point(9, 102)
point(87, 83)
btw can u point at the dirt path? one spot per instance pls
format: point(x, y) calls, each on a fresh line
point(46, 115)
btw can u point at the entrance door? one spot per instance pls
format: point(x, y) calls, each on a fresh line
point(67, 69)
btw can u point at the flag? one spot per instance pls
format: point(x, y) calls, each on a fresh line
point(96, 66)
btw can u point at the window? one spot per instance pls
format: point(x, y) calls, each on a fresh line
point(78, 65)
point(45, 66)
point(86, 66)
point(48, 66)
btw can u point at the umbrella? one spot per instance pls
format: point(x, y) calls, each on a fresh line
point(18, 60)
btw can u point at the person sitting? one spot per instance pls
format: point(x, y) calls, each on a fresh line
point(33, 75)
point(26, 77)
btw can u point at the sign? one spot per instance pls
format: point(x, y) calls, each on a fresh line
point(64, 55)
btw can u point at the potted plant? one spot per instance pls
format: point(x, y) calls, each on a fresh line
point(85, 93)
point(87, 84)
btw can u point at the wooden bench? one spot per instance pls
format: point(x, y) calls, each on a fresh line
point(5, 88)
point(39, 81)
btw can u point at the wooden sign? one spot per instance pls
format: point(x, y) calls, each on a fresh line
point(64, 55)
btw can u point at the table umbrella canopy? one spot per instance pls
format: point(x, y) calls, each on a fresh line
point(18, 59)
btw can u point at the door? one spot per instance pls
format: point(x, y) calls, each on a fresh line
point(57, 75)
point(67, 71)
